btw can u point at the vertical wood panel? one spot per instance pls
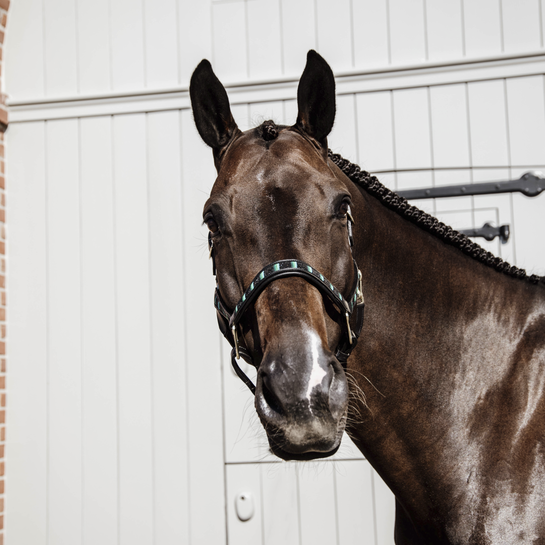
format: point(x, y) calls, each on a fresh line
point(354, 489)
point(99, 371)
point(61, 63)
point(23, 50)
point(444, 29)
point(230, 52)
point(371, 34)
point(93, 34)
point(412, 128)
point(64, 333)
point(529, 219)
point(298, 34)
point(343, 137)
point(384, 511)
point(290, 112)
point(449, 126)
point(526, 118)
point(375, 131)
point(334, 27)
point(505, 206)
point(317, 506)
point(194, 36)
point(280, 504)
point(133, 330)
point(161, 43)
point(521, 25)
point(241, 115)
point(202, 350)
point(127, 38)
point(264, 38)
point(245, 438)
point(407, 31)
point(482, 28)
point(244, 479)
point(414, 179)
point(168, 327)
point(499, 210)
point(263, 111)
point(487, 111)
point(26, 516)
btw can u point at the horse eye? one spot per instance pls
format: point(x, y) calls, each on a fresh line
point(211, 224)
point(343, 208)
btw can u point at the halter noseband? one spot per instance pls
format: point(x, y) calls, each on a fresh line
point(228, 320)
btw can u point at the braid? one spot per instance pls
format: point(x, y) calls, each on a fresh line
point(426, 221)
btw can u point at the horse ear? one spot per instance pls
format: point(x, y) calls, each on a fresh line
point(211, 108)
point(316, 99)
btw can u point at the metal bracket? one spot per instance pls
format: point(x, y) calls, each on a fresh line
point(489, 233)
point(530, 184)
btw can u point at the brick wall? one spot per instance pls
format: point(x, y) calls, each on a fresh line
point(4, 6)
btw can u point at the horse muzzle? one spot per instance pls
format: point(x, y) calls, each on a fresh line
point(302, 401)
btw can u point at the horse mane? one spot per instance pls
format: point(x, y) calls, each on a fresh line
point(426, 221)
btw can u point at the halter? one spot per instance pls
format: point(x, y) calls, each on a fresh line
point(228, 320)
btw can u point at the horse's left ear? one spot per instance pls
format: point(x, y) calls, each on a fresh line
point(211, 109)
point(316, 99)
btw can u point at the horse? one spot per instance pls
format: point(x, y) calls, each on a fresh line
point(440, 385)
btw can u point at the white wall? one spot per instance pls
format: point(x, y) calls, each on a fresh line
point(125, 423)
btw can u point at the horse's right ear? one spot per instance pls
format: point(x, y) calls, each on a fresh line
point(211, 108)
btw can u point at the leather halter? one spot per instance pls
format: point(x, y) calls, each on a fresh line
point(228, 320)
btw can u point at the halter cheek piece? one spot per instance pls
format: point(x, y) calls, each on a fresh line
point(228, 320)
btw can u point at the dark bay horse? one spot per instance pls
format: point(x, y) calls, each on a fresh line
point(443, 392)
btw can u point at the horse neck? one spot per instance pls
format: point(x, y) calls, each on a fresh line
point(435, 324)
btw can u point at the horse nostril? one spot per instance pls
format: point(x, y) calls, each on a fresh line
point(271, 399)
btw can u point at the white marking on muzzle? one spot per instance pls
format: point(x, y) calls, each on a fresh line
point(318, 372)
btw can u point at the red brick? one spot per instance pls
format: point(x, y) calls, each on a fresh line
point(3, 298)
point(2, 314)
point(2, 437)
point(4, 19)
point(4, 4)
point(2, 404)
point(2, 182)
point(2, 383)
point(2, 421)
point(3, 114)
point(2, 486)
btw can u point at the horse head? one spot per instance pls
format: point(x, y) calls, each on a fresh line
point(279, 215)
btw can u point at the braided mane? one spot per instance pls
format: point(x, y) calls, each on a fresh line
point(426, 221)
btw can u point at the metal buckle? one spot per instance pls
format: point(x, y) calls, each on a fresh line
point(359, 290)
point(350, 334)
point(235, 337)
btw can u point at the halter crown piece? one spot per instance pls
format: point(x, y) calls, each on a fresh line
point(228, 320)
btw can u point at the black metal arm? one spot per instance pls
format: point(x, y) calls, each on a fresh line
point(529, 184)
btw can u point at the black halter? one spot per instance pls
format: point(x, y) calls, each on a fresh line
point(228, 320)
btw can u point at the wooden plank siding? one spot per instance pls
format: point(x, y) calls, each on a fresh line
point(126, 422)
